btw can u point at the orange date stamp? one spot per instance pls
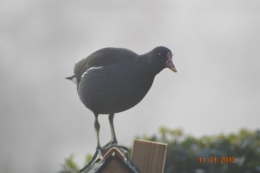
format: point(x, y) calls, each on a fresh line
point(222, 160)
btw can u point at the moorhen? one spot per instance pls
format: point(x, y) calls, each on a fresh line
point(112, 80)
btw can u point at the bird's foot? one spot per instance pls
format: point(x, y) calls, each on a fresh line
point(123, 149)
point(99, 155)
point(91, 163)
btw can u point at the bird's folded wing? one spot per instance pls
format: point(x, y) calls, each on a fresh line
point(102, 57)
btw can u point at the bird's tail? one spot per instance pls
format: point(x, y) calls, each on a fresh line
point(72, 78)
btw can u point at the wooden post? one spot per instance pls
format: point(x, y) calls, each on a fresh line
point(149, 157)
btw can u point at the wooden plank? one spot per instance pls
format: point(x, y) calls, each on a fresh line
point(149, 157)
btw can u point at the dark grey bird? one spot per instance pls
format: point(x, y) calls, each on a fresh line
point(112, 80)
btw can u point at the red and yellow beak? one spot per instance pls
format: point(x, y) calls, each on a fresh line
point(169, 63)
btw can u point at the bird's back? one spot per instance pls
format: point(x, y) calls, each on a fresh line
point(103, 57)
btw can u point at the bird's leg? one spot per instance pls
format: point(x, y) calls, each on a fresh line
point(97, 128)
point(113, 134)
point(98, 154)
point(113, 142)
point(99, 149)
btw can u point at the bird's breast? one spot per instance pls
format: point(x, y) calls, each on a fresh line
point(114, 88)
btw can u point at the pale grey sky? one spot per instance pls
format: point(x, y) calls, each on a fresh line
point(42, 121)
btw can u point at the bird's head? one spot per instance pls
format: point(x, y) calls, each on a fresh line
point(161, 57)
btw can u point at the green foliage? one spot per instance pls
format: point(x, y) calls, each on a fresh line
point(232, 153)
point(69, 166)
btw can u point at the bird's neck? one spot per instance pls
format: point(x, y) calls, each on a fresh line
point(149, 66)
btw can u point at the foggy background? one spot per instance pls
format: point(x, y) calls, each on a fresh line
point(42, 121)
